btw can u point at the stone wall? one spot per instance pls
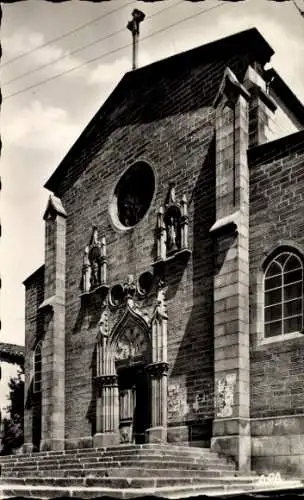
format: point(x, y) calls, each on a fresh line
point(34, 296)
point(276, 377)
point(169, 122)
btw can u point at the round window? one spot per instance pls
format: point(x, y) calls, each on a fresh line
point(133, 195)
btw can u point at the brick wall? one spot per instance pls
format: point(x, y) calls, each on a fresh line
point(276, 214)
point(34, 296)
point(170, 123)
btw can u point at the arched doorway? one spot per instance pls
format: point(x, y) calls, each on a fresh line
point(132, 355)
point(131, 376)
point(124, 384)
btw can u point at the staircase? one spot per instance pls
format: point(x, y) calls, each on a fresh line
point(124, 471)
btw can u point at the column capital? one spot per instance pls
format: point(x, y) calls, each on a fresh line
point(107, 380)
point(158, 370)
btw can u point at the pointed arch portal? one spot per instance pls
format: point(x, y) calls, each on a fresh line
point(131, 379)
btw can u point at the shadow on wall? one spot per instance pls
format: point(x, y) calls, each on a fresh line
point(190, 402)
point(91, 412)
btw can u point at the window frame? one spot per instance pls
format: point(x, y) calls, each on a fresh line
point(273, 258)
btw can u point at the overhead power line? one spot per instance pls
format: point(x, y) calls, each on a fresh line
point(83, 47)
point(298, 8)
point(64, 35)
point(161, 30)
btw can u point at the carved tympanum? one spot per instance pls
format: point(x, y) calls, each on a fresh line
point(131, 343)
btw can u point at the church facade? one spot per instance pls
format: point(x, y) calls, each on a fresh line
point(170, 304)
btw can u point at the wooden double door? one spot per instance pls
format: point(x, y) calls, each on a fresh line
point(134, 403)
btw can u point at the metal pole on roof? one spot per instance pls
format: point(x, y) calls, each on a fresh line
point(137, 17)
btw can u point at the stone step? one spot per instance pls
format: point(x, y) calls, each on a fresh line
point(121, 472)
point(153, 451)
point(84, 492)
point(147, 464)
point(119, 452)
point(127, 482)
point(107, 456)
point(110, 450)
point(207, 461)
point(214, 489)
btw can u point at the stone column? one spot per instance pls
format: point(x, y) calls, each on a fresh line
point(53, 307)
point(107, 394)
point(107, 412)
point(157, 433)
point(231, 426)
point(158, 370)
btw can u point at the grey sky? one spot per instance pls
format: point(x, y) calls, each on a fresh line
point(39, 126)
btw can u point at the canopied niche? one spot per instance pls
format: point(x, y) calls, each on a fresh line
point(172, 226)
point(94, 268)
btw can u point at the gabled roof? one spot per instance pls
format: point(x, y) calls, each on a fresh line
point(246, 42)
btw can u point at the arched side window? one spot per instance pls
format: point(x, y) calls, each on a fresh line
point(283, 295)
point(37, 367)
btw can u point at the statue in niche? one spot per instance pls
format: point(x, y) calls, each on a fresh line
point(94, 264)
point(173, 229)
point(171, 234)
point(95, 259)
point(172, 225)
point(86, 271)
point(94, 275)
point(171, 195)
point(172, 219)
